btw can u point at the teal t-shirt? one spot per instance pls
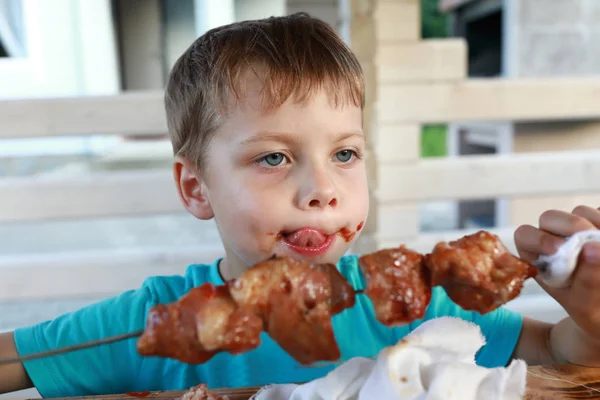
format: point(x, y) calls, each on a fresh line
point(118, 368)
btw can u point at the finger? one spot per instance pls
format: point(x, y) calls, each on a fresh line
point(531, 242)
point(591, 255)
point(587, 274)
point(589, 213)
point(527, 255)
point(561, 223)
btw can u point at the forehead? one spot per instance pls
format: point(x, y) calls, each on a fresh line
point(254, 109)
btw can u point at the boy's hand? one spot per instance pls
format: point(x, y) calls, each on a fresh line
point(581, 299)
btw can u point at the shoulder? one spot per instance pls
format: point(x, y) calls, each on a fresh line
point(125, 312)
point(168, 288)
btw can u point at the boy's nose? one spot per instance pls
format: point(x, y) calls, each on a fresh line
point(320, 200)
point(318, 192)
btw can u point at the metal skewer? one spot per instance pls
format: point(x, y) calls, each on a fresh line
point(69, 349)
point(82, 346)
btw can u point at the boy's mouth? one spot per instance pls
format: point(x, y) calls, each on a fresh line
point(308, 241)
point(305, 237)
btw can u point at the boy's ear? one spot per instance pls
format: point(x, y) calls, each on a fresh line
point(191, 189)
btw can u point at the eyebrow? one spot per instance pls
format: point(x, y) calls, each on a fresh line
point(289, 138)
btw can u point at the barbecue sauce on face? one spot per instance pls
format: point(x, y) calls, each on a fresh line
point(348, 235)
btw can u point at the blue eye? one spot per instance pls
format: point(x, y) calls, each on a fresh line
point(273, 159)
point(344, 155)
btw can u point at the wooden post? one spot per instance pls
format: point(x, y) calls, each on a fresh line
point(386, 36)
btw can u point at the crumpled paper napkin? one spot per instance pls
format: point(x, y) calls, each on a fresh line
point(558, 268)
point(436, 361)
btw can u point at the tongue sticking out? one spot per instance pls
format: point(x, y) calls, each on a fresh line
point(306, 237)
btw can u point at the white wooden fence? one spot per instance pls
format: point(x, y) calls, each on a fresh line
point(145, 192)
point(410, 82)
point(49, 197)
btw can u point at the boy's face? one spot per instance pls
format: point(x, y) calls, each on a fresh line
point(291, 182)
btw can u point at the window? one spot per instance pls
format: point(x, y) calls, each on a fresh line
point(3, 52)
point(12, 32)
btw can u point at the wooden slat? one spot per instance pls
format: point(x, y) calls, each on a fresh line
point(490, 100)
point(526, 210)
point(425, 242)
point(363, 32)
point(124, 114)
point(232, 394)
point(481, 177)
point(473, 99)
point(538, 306)
point(430, 60)
point(131, 154)
point(393, 220)
point(397, 20)
point(94, 195)
point(94, 273)
point(398, 143)
point(148, 192)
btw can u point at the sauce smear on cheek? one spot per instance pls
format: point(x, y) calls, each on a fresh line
point(348, 235)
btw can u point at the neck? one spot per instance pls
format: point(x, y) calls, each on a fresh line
point(229, 271)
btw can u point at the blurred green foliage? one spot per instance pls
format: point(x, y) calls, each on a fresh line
point(433, 25)
point(433, 141)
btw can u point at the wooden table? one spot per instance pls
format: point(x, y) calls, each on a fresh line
point(543, 383)
point(562, 382)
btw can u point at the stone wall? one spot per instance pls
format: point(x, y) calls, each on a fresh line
point(558, 37)
point(555, 38)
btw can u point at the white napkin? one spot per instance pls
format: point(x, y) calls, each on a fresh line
point(436, 361)
point(559, 267)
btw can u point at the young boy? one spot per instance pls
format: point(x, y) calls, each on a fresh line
point(265, 120)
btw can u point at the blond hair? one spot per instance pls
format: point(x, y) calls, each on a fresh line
point(298, 54)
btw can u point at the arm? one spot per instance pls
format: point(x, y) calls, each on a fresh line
point(13, 376)
point(563, 343)
point(570, 344)
point(533, 344)
point(111, 368)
